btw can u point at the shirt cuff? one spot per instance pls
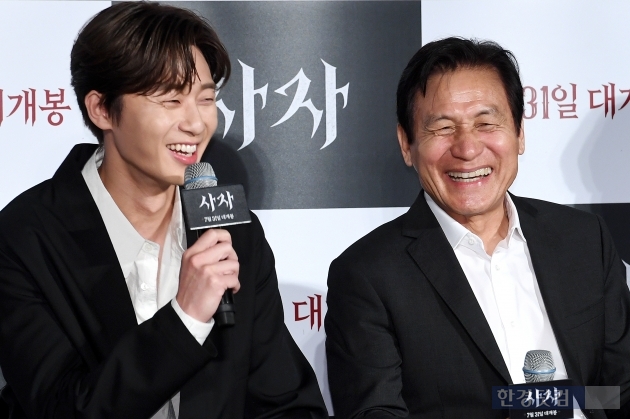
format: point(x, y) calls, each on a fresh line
point(199, 330)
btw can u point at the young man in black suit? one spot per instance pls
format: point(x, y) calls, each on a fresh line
point(103, 311)
point(429, 311)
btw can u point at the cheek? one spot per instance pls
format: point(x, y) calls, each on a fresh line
point(508, 154)
point(429, 171)
point(504, 144)
point(147, 126)
point(209, 115)
point(430, 156)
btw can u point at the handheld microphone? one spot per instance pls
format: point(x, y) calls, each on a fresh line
point(206, 205)
point(538, 366)
point(539, 395)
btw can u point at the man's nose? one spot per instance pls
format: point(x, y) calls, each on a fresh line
point(466, 145)
point(192, 122)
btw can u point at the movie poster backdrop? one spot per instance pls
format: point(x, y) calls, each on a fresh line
point(307, 121)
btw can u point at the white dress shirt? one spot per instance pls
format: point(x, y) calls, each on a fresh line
point(151, 283)
point(506, 288)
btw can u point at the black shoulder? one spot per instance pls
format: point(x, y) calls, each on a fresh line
point(546, 209)
point(558, 219)
point(23, 208)
point(378, 245)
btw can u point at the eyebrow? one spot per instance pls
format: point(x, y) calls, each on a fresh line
point(163, 88)
point(492, 110)
point(435, 118)
point(431, 119)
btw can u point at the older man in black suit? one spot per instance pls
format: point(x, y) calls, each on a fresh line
point(429, 311)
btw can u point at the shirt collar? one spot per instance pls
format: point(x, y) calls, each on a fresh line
point(176, 228)
point(126, 240)
point(455, 232)
point(514, 226)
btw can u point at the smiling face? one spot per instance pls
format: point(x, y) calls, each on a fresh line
point(465, 146)
point(158, 135)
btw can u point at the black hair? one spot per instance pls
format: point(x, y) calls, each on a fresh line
point(447, 55)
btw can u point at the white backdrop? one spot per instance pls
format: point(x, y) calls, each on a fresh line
point(37, 38)
point(567, 160)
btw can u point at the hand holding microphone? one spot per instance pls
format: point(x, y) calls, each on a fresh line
point(209, 272)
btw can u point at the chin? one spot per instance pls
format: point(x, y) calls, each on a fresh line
point(175, 179)
point(472, 210)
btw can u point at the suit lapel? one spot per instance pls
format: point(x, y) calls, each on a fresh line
point(86, 256)
point(544, 246)
point(437, 261)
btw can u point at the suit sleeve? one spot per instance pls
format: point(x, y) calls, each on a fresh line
point(281, 381)
point(615, 368)
point(50, 376)
point(364, 363)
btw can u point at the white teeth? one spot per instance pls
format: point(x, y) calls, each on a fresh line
point(470, 176)
point(183, 148)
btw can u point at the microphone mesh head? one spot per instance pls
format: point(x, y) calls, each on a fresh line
point(199, 175)
point(539, 366)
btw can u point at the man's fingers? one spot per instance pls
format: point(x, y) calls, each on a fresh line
point(221, 270)
point(216, 253)
point(213, 236)
point(209, 268)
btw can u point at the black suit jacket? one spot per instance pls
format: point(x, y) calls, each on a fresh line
point(70, 345)
point(406, 336)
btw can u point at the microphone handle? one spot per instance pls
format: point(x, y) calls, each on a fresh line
point(224, 316)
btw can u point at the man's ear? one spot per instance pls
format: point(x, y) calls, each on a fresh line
point(96, 111)
point(405, 147)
